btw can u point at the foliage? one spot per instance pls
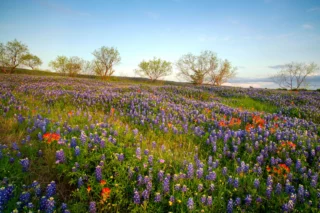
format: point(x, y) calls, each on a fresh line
point(71, 66)
point(221, 75)
point(154, 69)
point(31, 61)
point(83, 145)
point(105, 59)
point(205, 68)
point(12, 55)
point(196, 68)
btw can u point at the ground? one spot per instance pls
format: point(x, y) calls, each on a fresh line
point(79, 145)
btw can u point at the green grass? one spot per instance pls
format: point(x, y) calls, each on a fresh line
point(250, 104)
point(120, 79)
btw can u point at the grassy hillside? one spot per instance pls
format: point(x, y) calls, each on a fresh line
point(130, 80)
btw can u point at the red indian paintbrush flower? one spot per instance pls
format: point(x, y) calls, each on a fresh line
point(49, 137)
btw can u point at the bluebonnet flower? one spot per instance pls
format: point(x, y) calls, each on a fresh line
point(278, 188)
point(200, 173)
point(98, 173)
point(150, 159)
point(77, 151)
point(157, 197)
point(73, 142)
point(301, 193)
point(236, 183)
point(149, 186)
point(224, 171)
point(80, 182)
point(203, 199)
point(50, 205)
point(230, 206)
point(30, 205)
point(43, 203)
point(64, 207)
point(248, 200)
point(190, 203)
point(178, 186)
point(138, 153)
point(269, 191)
point(209, 201)
point(237, 201)
point(190, 171)
point(136, 197)
point(172, 199)
point(25, 197)
point(211, 176)
point(256, 183)
point(60, 157)
point(25, 163)
point(160, 175)
point(166, 185)
point(51, 189)
point(184, 188)
point(145, 194)
point(38, 191)
point(92, 207)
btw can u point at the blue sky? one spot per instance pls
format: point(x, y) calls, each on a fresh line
point(254, 35)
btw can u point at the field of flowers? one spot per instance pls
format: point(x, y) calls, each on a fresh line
point(82, 145)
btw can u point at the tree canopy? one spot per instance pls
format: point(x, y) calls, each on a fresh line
point(71, 66)
point(31, 61)
point(12, 55)
point(154, 69)
point(204, 68)
point(105, 59)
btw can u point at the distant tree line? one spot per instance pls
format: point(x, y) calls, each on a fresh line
point(197, 69)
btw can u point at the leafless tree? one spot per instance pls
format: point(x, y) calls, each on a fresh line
point(293, 75)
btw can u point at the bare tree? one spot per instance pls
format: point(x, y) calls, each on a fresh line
point(105, 59)
point(294, 75)
point(222, 74)
point(154, 69)
point(12, 55)
point(31, 61)
point(196, 68)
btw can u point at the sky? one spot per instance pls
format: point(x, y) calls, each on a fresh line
point(257, 36)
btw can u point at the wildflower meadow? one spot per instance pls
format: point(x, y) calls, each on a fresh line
point(85, 145)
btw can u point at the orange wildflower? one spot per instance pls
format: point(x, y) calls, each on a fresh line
point(285, 167)
point(222, 123)
point(112, 111)
point(49, 137)
point(70, 113)
point(103, 182)
point(268, 169)
point(105, 193)
point(248, 127)
point(89, 189)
